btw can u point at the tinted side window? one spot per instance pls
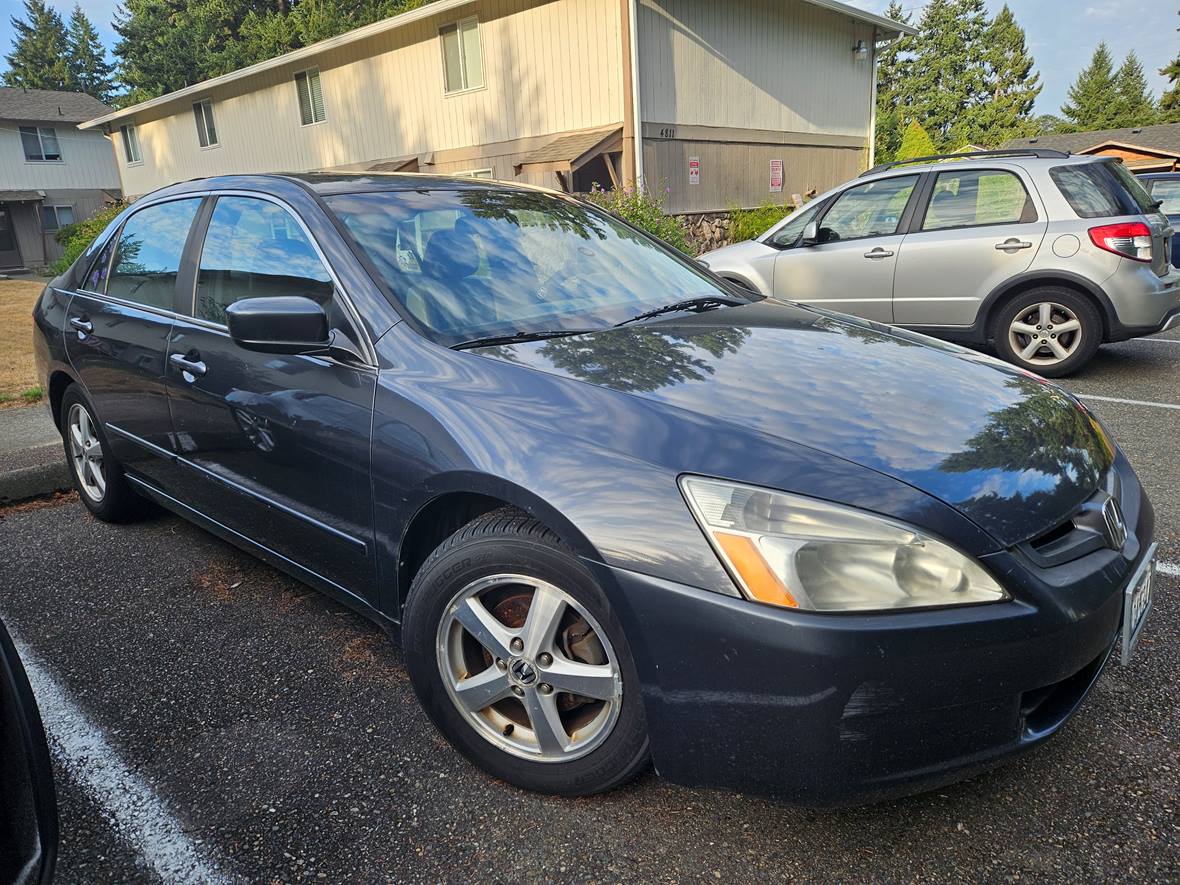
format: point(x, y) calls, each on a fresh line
point(148, 253)
point(788, 235)
point(868, 210)
point(255, 249)
point(1097, 190)
point(1167, 192)
point(96, 279)
point(979, 197)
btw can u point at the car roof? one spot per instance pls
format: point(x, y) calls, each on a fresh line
point(986, 162)
point(331, 183)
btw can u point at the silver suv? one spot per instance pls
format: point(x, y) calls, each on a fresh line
point(1044, 254)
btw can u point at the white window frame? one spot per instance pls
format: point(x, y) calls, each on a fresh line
point(485, 174)
point(307, 73)
point(457, 25)
point(40, 131)
point(53, 210)
point(203, 134)
point(130, 137)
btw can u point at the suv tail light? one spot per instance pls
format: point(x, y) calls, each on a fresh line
point(1130, 239)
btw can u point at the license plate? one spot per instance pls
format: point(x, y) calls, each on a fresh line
point(1137, 603)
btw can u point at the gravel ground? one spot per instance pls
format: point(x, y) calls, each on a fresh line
point(280, 730)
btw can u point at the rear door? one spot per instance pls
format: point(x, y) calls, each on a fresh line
point(117, 333)
point(975, 229)
point(275, 447)
point(851, 268)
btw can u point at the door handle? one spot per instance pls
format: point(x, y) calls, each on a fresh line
point(82, 324)
point(189, 364)
point(1013, 245)
point(879, 253)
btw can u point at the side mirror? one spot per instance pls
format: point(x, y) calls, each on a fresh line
point(810, 234)
point(28, 812)
point(280, 324)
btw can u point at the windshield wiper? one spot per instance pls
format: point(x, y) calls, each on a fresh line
point(518, 338)
point(696, 305)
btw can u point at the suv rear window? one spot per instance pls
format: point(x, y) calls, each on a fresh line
point(1101, 190)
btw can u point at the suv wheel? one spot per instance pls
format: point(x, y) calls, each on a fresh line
point(1051, 331)
point(520, 663)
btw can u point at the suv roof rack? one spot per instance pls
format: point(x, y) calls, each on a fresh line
point(1042, 153)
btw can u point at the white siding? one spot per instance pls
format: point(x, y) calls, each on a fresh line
point(86, 161)
point(550, 67)
point(780, 65)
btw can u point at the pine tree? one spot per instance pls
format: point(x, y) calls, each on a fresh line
point(38, 59)
point(892, 73)
point(90, 72)
point(1133, 104)
point(1091, 98)
point(915, 143)
point(948, 74)
point(1013, 86)
point(1169, 106)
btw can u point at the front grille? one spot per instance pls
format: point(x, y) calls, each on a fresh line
point(1099, 523)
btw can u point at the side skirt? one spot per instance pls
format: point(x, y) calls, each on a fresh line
point(270, 557)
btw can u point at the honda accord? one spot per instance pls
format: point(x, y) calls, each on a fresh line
point(617, 509)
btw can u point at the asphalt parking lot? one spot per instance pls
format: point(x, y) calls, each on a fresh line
point(213, 719)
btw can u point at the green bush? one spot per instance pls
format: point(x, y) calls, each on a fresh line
point(76, 237)
point(644, 209)
point(745, 224)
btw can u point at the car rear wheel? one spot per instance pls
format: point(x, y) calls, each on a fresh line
point(97, 476)
point(518, 660)
point(1051, 331)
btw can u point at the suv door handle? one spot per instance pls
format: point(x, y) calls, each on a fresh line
point(189, 364)
point(879, 253)
point(1013, 245)
point(82, 324)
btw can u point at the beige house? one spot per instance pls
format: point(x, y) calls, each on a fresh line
point(51, 174)
point(721, 103)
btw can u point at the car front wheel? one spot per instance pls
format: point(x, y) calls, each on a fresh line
point(1050, 330)
point(518, 660)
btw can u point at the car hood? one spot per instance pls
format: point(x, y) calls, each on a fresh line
point(1010, 451)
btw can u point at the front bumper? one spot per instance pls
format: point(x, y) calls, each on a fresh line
point(829, 710)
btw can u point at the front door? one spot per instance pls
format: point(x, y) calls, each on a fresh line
point(117, 332)
point(9, 252)
point(275, 447)
point(851, 268)
point(979, 229)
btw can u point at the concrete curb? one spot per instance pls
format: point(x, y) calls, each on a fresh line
point(34, 482)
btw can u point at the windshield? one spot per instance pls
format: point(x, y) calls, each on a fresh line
point(476, 263)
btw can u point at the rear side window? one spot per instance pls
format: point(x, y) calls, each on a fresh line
point(978, 197)
point(148, 253)
point(256, 249)
point(1166, 191)
point(1100, 190)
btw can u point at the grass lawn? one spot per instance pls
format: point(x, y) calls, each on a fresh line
point(18, 378)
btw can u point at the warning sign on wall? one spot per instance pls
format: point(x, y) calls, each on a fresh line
point(776, 176)
point(694, 170)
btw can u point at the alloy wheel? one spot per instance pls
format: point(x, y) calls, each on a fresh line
point(529, 668)
point(86, 452)
point(1045, 334)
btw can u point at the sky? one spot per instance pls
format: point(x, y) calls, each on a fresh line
point(1062, 34)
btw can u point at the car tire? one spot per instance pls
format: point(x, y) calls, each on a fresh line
point(490, 574)
point(1027, 329)
point(97, 476)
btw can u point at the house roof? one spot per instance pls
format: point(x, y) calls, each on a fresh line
point(1163, 138)
point(569, 148)
point(889, 29)
point(47, 104)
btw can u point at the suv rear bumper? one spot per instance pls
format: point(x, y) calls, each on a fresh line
point(1171, 320)
point(1143, 303)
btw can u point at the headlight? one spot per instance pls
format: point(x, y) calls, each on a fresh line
point(802, 553)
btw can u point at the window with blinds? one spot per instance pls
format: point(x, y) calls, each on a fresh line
point(462, 55)
point(206, 131)
point(130, 143)
point(311, 97)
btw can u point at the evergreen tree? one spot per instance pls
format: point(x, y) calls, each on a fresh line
point(948, 79)
point(1091, 98)
point(892, 74)
point(1169, 106)
point(1013, 86)
point(915, 143)
point(38, 58)
point(1134, 104)
point(90, 72)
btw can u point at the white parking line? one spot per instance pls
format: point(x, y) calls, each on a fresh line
point(1155, 340)
point(1168, 568)
point(1129, 402)
point(133, 809)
